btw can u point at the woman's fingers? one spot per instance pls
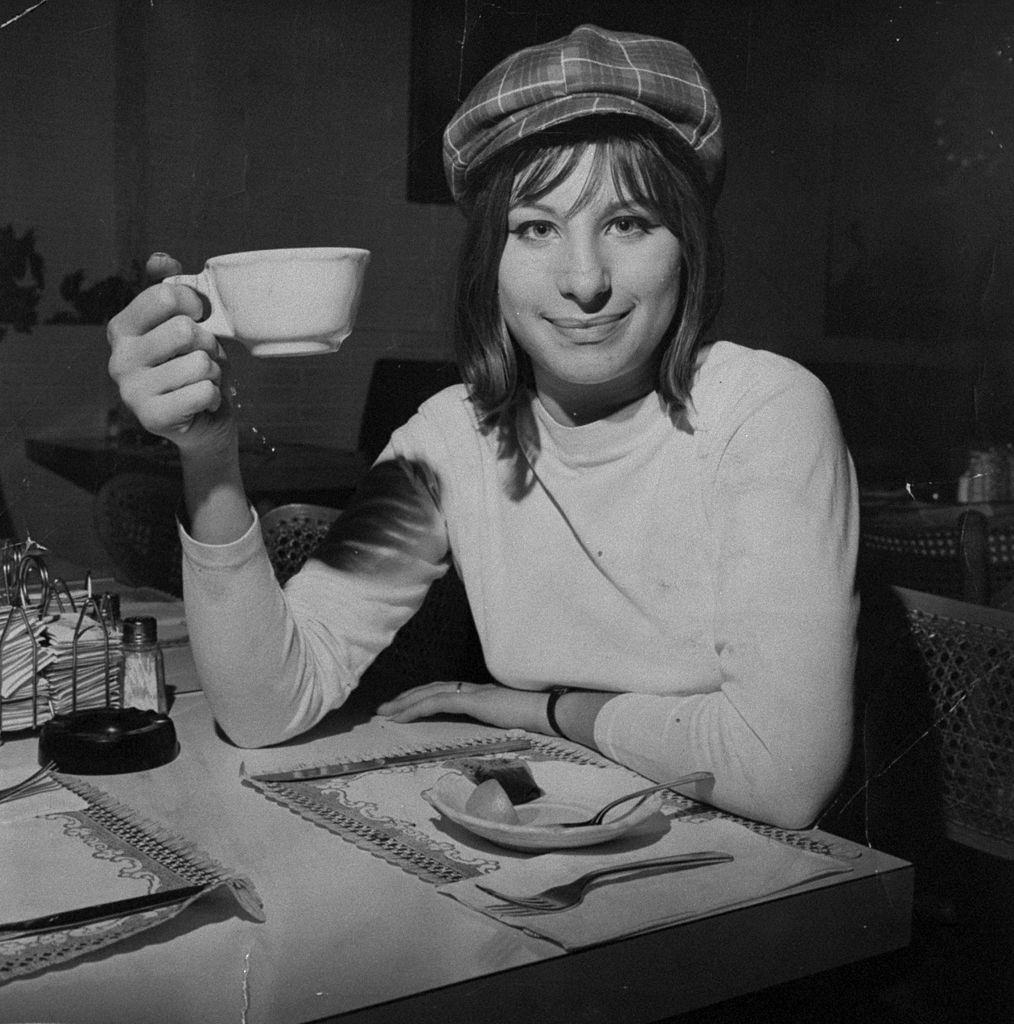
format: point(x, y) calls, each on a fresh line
point(170, 375)
point(438, 687)
point(179, 337)
point(169, 394)
point(431, 698)
point(187, 367)
point(143, 366)
point(170, 370)
point(174, 413)
point(165, 318)
point(491, 703)
point(152, 308)
point(158, 303)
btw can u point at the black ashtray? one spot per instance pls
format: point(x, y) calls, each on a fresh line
point(108, 741)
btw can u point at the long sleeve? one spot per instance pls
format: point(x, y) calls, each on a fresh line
point(703, 573)
point(274, 662)
point(781, 508)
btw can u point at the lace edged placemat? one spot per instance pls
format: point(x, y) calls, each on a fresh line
point(681, 808)
point(119, 854)
point(383, 813)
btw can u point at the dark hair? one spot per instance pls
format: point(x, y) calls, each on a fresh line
point(648, 166)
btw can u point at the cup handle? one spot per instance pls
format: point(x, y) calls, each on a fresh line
point(204, 285)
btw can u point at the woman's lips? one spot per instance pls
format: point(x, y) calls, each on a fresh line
point(586, 321)
point(590, 328)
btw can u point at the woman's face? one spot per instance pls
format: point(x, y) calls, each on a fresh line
point(587, 290)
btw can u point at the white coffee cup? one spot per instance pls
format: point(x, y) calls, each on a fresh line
point(282, 302)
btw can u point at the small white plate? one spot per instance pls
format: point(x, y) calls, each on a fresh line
point(539, 827)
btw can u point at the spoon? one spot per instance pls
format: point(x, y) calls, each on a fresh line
point(599, 817)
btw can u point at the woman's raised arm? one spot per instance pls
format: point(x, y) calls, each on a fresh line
point(172, 374)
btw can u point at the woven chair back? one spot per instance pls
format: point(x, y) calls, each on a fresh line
point(967, 657)
point(292, 533)
point(950, 560)
point(135, 519)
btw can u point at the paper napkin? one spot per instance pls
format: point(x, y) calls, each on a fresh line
point(625, 905)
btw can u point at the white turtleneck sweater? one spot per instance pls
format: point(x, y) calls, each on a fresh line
point(703, 570)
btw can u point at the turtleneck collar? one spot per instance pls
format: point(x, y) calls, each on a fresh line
point(604, 440)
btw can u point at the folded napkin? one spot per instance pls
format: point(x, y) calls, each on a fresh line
point(626, 905)
point(18, 661)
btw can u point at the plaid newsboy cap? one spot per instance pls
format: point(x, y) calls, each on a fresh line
point(591, 71)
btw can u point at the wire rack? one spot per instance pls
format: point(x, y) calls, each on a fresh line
point(58, 649)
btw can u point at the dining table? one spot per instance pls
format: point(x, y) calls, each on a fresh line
point(339, 929)
point(273, 471)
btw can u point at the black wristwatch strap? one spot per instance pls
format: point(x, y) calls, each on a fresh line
point(555, 693)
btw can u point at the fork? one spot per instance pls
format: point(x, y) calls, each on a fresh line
point(19, 788)
point(570, 894)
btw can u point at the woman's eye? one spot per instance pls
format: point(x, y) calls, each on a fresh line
point(630, 225)
point(537, 230)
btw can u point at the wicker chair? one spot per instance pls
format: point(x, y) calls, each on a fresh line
point(291, 534)
point(1001, 566)
point(439, 642)
point(135, 519)
point(961, 657)
point(951, 560)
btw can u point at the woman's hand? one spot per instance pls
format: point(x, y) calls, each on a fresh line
point(168, 368)
point(502, 706)
point(495, 705)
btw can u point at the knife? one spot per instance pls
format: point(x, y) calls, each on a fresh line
point(99, 912)
point(330, 771)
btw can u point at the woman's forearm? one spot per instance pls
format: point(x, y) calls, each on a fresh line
point(214, 496)
point(575, 713)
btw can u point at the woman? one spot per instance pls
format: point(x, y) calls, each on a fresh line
point(657, 534)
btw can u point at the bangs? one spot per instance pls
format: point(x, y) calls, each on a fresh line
point(546, 169)
point(634, 174)
point(622, 158)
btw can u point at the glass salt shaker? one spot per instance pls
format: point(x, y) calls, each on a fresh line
point(142, 670)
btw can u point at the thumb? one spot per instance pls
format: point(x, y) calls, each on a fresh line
point(161, 265)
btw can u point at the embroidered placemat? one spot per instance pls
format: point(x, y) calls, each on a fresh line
point(382, 811)
point(88, 851)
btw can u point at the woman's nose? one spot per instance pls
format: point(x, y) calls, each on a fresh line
point(584, 276)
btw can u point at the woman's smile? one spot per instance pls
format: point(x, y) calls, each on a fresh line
point(588, 330)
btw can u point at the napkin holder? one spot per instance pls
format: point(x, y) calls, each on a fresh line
point(19, 613)
point(108, 741)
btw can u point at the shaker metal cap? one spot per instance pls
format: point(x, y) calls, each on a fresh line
point(140, 629)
